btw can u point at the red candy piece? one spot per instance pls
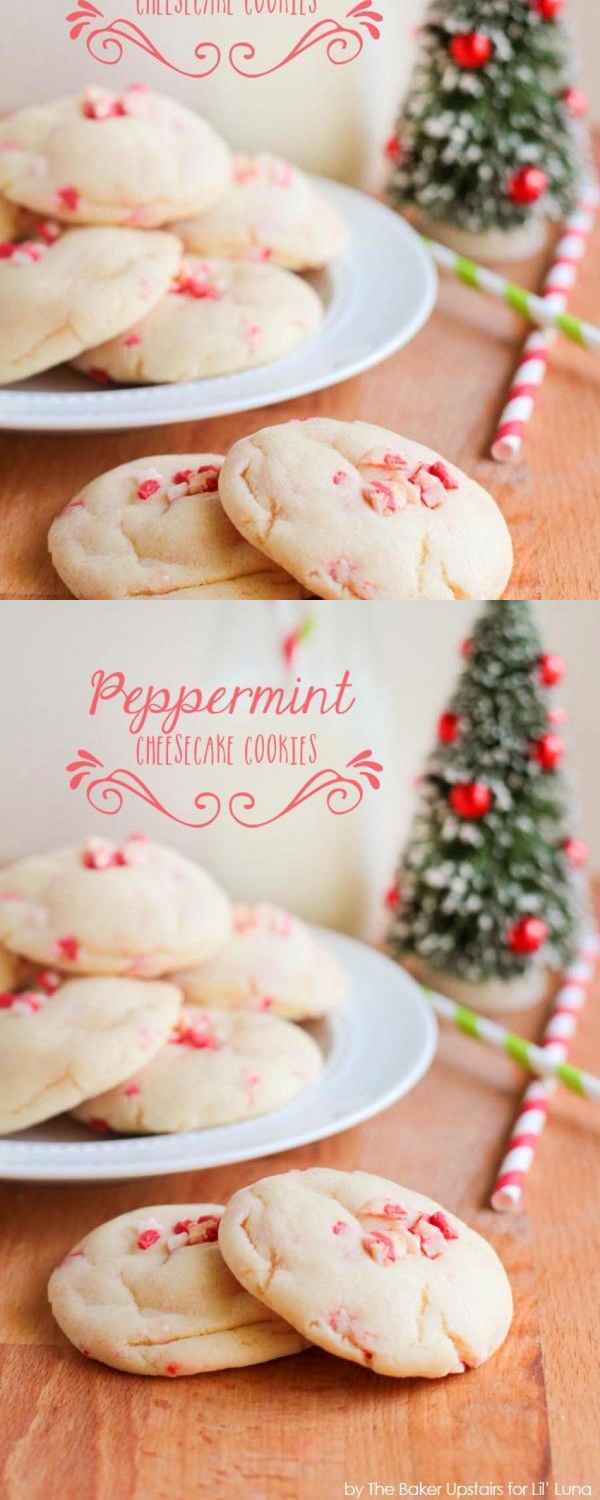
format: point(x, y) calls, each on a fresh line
point(471, 799)
point(147, 488)
point(95, 1123)
point(192, 286)
point(439, 470)
point(48, 981)
point(340, 1227)
point(392, 896)
point(102, 859)
point(393, 146)
point(69, 198)
point(69, 948)
point(131, 1090)
point(191, 1036)
point(182, 1226)
point(102, 377)
point(148, 1238)
point(440, 1221)
point(527, 935)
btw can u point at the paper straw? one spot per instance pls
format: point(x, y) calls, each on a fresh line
point(531, 372)
point(534, 309)
point(533, 1113)
point(534, 1059)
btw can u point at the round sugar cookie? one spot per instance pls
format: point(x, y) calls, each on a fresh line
point(271, 963)
point(370, 1271)
point(134, 158)
point(149, 1292)
point(58, 1047)
point(220, 317)
point(356, 512)
point(57, 299)
point(98, 908)
point(217, 1067)
point(157, 526)
point(270, 212)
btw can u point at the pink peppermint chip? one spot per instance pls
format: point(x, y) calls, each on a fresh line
point(147, 1238)
point(148, 487)
point(101, 857)
point(386, 1249)
point(195, 286)
point(192, 1036)
point(131, 1090)
point(69, 198)
point(68, 947)
point(48, 981)
point(378, 1208)
point(384, 458)
point(384, 499)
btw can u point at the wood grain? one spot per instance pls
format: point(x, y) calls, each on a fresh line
point(300, 1428)
point(447, 389)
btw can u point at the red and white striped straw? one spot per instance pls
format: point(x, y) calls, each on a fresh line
point(560, 1030)
point(561, 277)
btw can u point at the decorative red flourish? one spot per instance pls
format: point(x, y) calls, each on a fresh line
point(106, 43)
point(106, 794)
point(344, 43)
point(344, 793)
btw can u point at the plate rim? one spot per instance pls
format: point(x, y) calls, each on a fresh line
point(20, 409)
point(117, 1171)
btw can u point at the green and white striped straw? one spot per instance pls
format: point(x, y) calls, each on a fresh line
point(534, 1059)
point(534, 309)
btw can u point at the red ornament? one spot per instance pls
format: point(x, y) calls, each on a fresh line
point(448, 728)
point(471, 49)
point(548, 751)
point(393, 146)
point(548, 9)
point(392, 896)
point(577, 102)
point(471, 799)
point(552, 669)
point(466, 649)
point(527, 185)
point(576, 851)
point(557, 716)
point(527, 935)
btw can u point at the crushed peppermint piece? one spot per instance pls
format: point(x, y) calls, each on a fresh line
point(384, 458)
point(69, 198)
point(147, 1238)
point(384, 499)
point(68, 947)
point(48, 981)
point(381, 1208)
point(385, 1249)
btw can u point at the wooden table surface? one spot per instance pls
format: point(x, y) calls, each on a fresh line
point(446, 388)
point(303, 1428)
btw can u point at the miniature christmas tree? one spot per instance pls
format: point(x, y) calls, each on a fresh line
point(486, 888)
point(490, 134)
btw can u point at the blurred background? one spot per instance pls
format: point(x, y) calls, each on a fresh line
point(403, 659)
point(343, 138)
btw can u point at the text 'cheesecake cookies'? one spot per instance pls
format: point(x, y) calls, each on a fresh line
point(136, 908)
point(370, 1271)
point(157, 527)
point(219, 317)
point(149, 1292)
point(62, 1040)
point(356, 512)
point(218, 1066)
point(133, 158)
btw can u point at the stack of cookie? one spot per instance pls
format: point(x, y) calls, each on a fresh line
point(340, 510)
point(160, 1007)
point(159, 256)
point(371, 1272)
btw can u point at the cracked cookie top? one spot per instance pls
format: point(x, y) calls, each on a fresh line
point(61, 1042)
point(134, 158)
point(270, 212)
point(157, 527)
point(218, 317)
point(136, 908)
point(354, 511)
point(216, 1067)
point(149, 1292)
point(61, 297)
point(371, 1271)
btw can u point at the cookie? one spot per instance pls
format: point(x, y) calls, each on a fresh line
point(9, 969)
point(355, 512)
point(59, 298)
point(135, 158)
point(150, 1293)
point(98, 908)
point(11, 219)
point(370, 1271)
point(270, 963)
point(157, 526)
point(220, 316)
point(270, 212)
point(60, 1045)
point(218, 1066)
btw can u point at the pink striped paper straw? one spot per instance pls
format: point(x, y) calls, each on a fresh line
point(561, 277)
point(561, 1028)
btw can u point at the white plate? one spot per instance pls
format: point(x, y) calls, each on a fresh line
point(377, 296)
point(377, 1046)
